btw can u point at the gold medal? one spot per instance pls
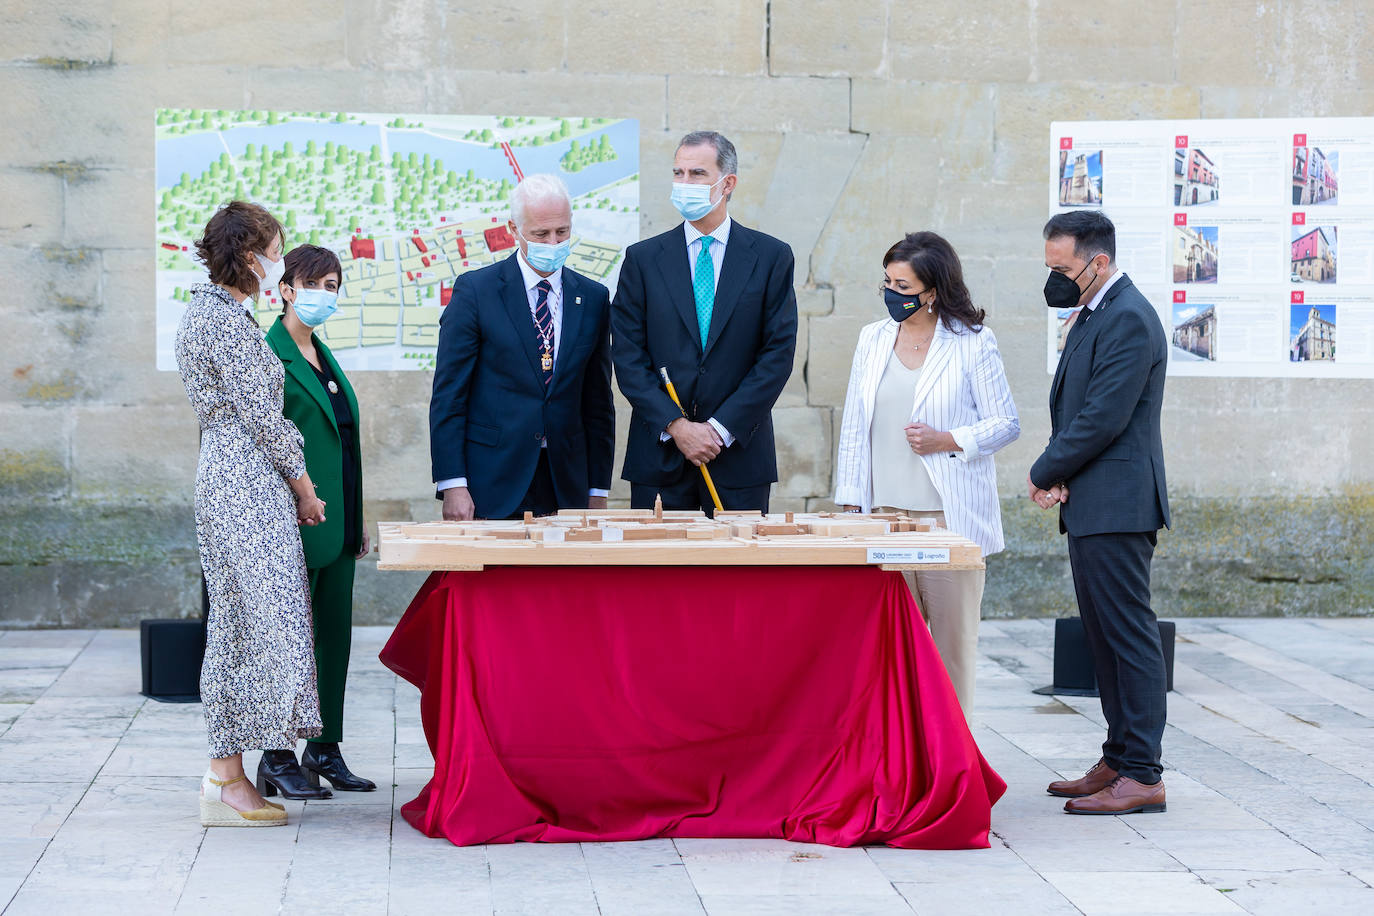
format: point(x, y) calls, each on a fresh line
point(546, 361)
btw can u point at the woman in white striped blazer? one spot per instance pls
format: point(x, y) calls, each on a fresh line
point(928, 404)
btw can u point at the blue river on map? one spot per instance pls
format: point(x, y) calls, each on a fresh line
point(192, 154)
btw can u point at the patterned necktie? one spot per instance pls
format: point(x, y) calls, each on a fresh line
point(704, 288)
point(543, 326)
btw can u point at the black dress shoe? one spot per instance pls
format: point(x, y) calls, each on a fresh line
point(278, 771)
point(323, 758)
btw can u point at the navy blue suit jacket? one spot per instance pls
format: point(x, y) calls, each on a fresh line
point(736, 378)
point(490, 407)
point(1105, 401)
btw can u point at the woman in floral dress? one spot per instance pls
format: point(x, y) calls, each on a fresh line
point(258, 679)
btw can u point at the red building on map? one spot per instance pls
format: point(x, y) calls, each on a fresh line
point(363, 248)
point(498, 239)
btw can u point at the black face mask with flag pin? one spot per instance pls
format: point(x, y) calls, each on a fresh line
point(900, 306)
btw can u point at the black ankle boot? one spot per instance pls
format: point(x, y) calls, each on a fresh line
point(322, 758)
point(278, 771)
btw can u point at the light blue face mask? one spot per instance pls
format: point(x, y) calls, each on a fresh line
point(693, 201)
point(547, 258)
point(314, 306)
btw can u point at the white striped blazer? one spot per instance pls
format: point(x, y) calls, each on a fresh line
point(963, 390)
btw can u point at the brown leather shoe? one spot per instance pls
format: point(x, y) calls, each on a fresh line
point(1123, 796)
point(1095, 780)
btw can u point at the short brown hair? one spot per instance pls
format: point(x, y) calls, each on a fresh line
point(309, 262)
point(236, 228)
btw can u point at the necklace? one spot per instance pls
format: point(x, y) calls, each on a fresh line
point(924, 343)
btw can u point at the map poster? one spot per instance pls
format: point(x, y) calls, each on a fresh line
point(407, 202)
point(1252, 238)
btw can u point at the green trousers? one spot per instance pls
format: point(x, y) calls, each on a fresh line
point(331, 601)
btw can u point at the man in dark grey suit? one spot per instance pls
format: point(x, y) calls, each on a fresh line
point(1106, 450)
point(711, 301)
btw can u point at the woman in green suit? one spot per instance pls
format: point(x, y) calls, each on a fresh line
point(320, 401)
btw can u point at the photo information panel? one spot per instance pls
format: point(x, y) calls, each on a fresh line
point(1253, 239)
point(407, 202)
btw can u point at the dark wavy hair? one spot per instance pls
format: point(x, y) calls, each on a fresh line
point(236, 231)
point(933, 261)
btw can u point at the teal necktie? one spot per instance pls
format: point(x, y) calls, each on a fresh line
point(704, 288)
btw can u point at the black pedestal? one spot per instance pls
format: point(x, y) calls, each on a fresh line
point(172, 651)
point(1073, 659)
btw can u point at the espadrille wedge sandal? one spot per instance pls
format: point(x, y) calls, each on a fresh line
point(215, 812)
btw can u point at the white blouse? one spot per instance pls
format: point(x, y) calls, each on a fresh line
point(900, 479)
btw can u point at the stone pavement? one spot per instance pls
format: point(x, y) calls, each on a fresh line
point(1268, 754)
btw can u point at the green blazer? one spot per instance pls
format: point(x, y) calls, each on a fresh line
point(306, 404)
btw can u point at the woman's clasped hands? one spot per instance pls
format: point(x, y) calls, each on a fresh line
point(310, 511)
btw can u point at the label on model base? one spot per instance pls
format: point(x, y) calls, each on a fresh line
point(908, 554)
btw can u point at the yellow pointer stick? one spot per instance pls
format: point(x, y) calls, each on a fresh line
point(705, 474)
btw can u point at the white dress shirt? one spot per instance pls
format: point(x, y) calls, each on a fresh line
point(532, 280)
point(720, 237)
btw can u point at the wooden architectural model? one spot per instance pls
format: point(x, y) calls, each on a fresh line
point(644, 537)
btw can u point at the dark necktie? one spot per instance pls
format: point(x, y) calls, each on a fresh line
point(543, 326)
point(1084, 314)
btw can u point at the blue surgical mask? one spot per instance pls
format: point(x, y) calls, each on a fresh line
point(314, 306)
point(544, 257)
point(693, 201)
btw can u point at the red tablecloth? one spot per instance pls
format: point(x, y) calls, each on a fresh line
point(582, 704)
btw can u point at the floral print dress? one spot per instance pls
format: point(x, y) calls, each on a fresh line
point(258, 680)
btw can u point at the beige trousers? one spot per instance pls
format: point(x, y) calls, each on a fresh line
point(951, 600)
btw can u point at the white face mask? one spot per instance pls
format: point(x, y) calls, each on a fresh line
point(273, 270)
point(693, 201)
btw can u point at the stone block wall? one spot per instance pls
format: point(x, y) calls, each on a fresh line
point(855, 121)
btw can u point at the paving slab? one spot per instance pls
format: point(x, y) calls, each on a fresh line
point(1135, 892)
point(1029, 895)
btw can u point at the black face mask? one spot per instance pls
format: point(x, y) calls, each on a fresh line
point(900, 306)
point(1061, 292)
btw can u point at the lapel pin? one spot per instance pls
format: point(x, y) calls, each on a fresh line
point(577, 300)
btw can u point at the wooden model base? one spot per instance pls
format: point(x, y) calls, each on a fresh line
point(645, 537)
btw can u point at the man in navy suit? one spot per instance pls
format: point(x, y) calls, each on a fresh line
point(712, 302)
point(521, 418)
point(1104, 466)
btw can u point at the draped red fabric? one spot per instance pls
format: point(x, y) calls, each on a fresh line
point(584, 704)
